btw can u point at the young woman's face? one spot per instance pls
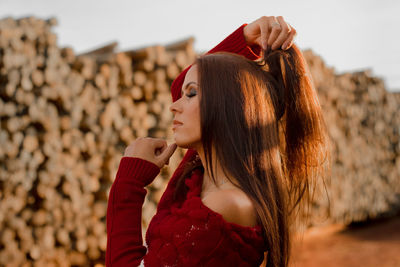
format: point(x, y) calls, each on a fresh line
point(186, 111)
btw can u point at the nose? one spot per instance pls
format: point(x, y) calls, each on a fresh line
point(174, 107)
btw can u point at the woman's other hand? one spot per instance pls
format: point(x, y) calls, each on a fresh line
point(271, 31)
point(155, 150)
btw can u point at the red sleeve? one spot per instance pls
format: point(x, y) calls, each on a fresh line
point(234, 43)
point(124, 212)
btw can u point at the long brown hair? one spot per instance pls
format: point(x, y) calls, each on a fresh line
point(264, 120)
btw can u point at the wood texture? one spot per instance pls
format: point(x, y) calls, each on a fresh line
point(65, 121)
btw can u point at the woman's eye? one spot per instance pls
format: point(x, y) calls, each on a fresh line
point(191, 94)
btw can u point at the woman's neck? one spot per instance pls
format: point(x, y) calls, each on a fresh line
point(220, 177)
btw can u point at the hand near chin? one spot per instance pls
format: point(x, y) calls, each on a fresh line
point(155, 150)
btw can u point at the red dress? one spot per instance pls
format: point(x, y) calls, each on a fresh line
point(181, 233)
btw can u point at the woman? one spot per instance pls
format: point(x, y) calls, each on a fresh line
point(256, 138)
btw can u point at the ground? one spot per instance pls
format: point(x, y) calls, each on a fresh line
point(375, 243)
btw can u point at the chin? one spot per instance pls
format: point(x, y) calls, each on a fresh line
point(188, 144)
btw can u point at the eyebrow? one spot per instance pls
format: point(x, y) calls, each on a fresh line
point(189, 83)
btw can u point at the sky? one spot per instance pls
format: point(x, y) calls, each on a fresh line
point(350, 35)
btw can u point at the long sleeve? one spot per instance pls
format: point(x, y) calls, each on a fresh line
point(234, 43)
point(124, 212)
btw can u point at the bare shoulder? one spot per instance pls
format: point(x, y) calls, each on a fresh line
point(234, 206)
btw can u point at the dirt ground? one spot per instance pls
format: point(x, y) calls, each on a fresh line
point(375, 243)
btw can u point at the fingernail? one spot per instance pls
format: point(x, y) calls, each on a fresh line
point(264, 45)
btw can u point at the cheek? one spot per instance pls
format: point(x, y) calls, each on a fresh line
point(193, 121)
point(196, 119)
point(190, 132)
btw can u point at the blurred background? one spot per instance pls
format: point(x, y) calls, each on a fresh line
point(80, 80)
point(350, 35)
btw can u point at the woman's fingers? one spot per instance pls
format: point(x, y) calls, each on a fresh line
point(163, 151)
point(289, 40)
point(155, 150)
point(271, 32)
point(159, 145)
point(265, 30)
point(285, 29)
point(167, 153)
point(158, 142)
point(275, 30)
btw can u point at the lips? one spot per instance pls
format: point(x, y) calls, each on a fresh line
point(176, 124)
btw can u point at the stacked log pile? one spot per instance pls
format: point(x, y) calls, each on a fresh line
point(364, 123)
point(66, 120)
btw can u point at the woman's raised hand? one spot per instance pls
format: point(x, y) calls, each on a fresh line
point(271, 31)
point(155, 150)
